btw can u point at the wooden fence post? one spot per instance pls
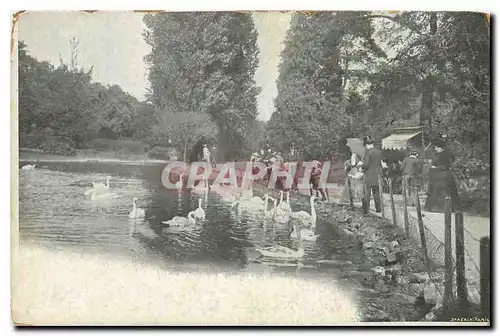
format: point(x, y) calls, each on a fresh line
point(393, 207)
point(381, 195)
point(448, 260)
point(460, 260)
point(421, 230)
point(485, 276)
point(351, 201)
point(405, 208)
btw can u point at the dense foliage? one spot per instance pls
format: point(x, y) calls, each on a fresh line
point(204, 63)
point(60, 108)
point(356, 73)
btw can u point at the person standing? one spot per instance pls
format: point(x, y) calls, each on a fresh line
point(441, 180)
point(372, 167)
point(412, 170)
point(214, 157)
point(206, 154)
point(315, 179)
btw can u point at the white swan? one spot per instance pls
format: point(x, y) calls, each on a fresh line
point(102, 185)
point(270, 213)
point(136, 213)
point(28, 167)
point(199, 213)
point(305, 234)
point(304, 217)
point(182, 221)
point(99, 190)
point(285, 205)
point(179, 184)
point(96, 194)
point(282, 252)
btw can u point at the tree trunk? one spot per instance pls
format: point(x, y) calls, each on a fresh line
point(185, 152)
point(427, 100)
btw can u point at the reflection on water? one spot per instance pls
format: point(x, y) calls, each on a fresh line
point(54, 212)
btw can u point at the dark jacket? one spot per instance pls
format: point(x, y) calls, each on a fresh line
point(372, 166)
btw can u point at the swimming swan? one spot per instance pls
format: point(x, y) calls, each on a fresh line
point(199, 213)
point(305, 217)
point(282, 252)
point(306, 234)
point(182, 221)
point(285, 205)
point(102, 185)
point(28, 167)
point(136, 213)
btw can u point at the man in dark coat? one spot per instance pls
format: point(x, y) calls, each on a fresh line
point(372, 167)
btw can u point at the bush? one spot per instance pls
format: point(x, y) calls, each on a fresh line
point(162, 153)
point(58, 147)
point(48, 143)
point(120, 146)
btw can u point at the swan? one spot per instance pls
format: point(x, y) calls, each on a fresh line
point(281, 216)
point(182, 221)
point(96, 194)
point(305, 217)
point(199, 213)
point(179, 184)
point(282, 252)
point(237, 202)
point(98, 189)
point(306, 234)
point(136, 213)
point(102, 185)
point(270, 213)
point(28, 167)
point(284, 206)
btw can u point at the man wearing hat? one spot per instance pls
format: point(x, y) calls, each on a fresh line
point(441, 180)
point(372, 167)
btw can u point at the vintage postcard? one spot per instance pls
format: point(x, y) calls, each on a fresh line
point(308, 168)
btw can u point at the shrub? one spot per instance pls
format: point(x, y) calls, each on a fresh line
point(162, 153)
point(124, 146)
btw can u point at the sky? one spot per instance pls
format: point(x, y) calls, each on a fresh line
point(112, 43)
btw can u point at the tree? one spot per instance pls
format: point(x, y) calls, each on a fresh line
point(311, 102)
point(184, 129)
point(205, 63)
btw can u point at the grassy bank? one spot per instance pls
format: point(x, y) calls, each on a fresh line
point(30, 155)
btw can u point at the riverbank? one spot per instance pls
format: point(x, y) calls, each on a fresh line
point(30, 156)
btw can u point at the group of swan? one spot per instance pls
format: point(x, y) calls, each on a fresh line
point(283, 213)
point(102, 191)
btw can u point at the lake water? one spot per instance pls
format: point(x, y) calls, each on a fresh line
point(54, 213)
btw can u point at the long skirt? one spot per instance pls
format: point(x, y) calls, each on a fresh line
point(441, 184)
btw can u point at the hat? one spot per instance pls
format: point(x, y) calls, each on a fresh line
point(367, 140)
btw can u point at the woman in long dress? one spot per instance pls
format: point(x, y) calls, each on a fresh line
point(355, 175)
point(441, 180)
